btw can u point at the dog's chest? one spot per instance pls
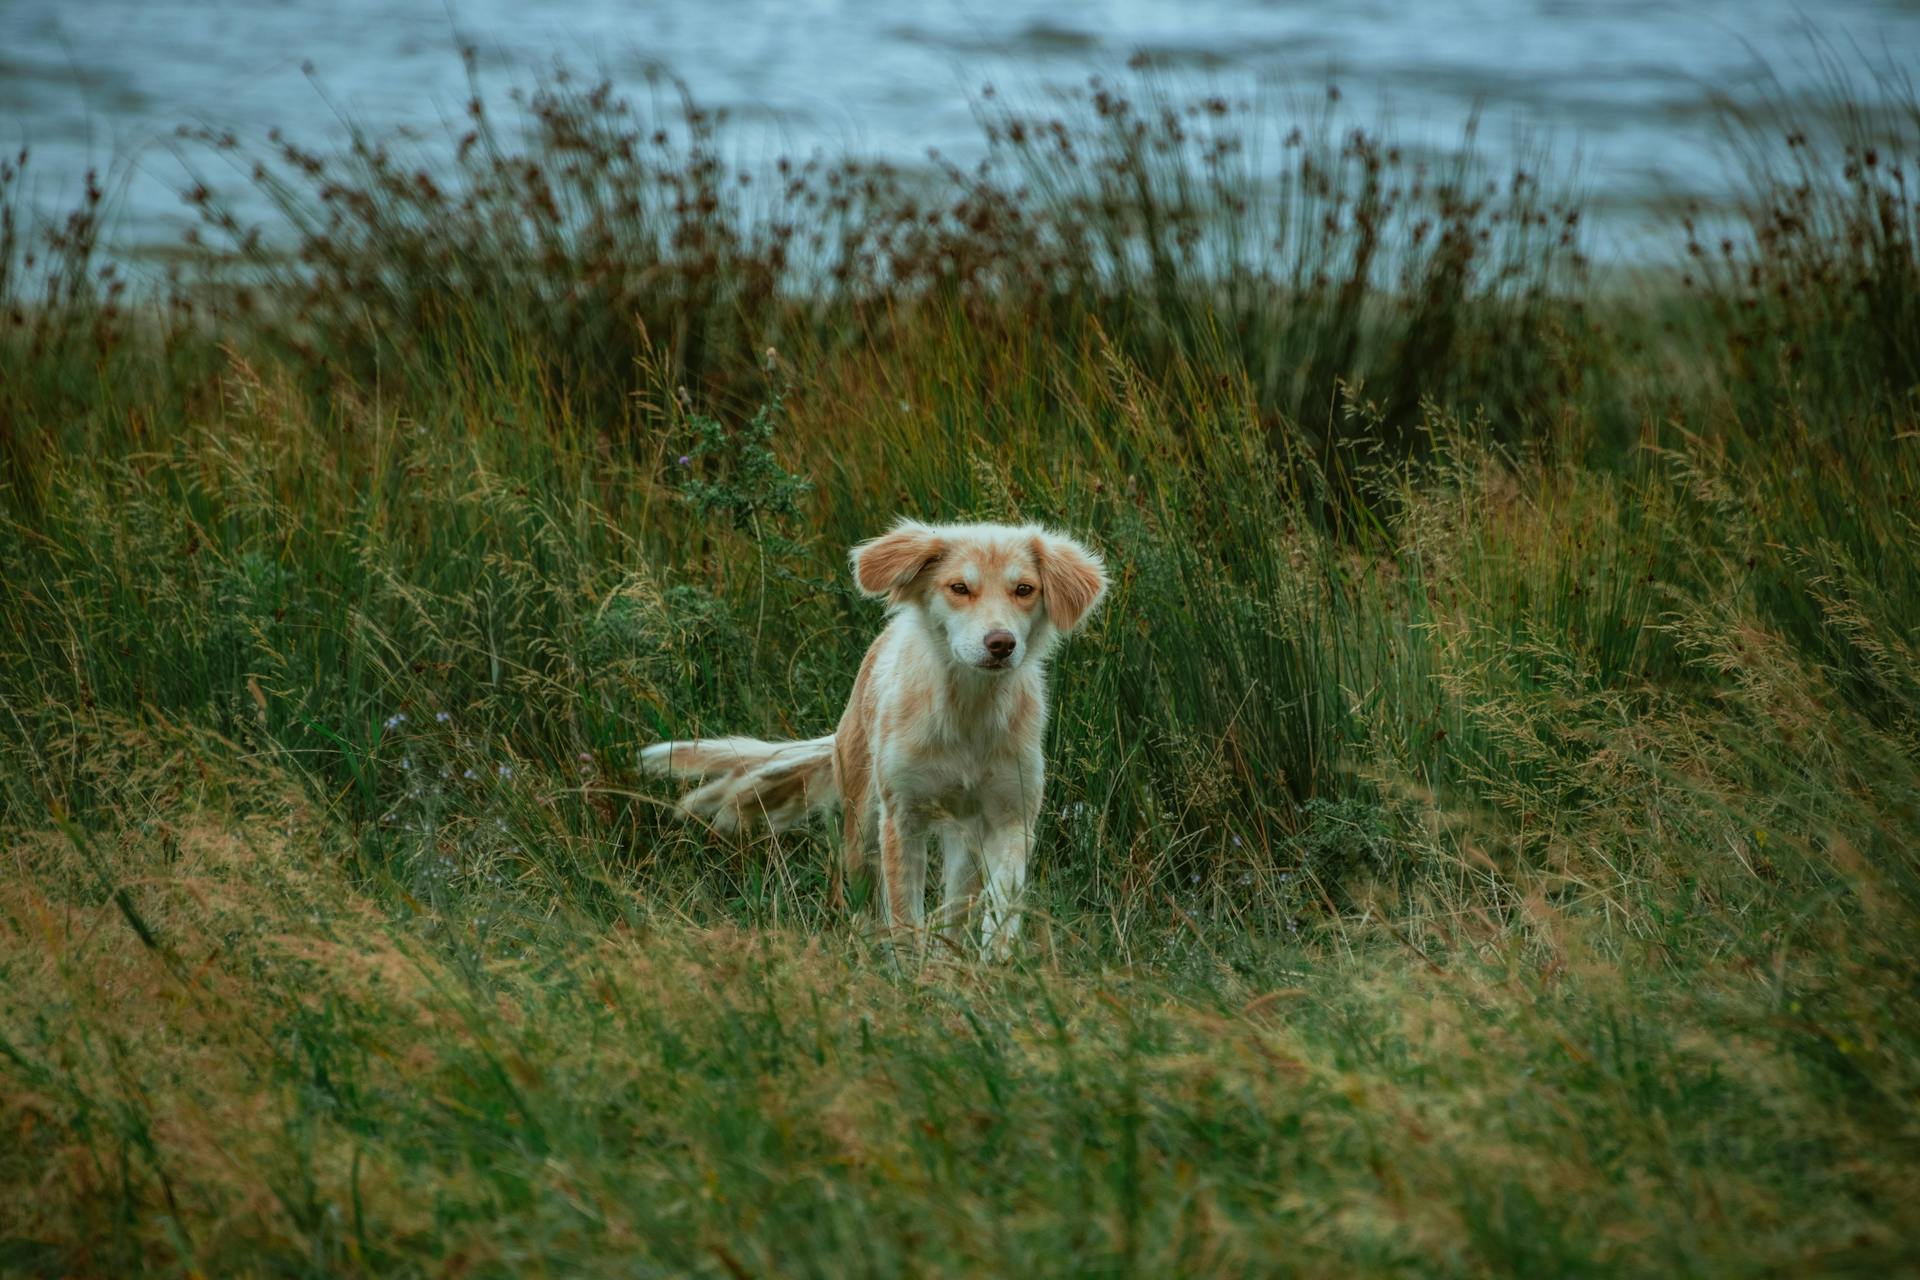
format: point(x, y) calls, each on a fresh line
point(959, 776)
point(975, 791)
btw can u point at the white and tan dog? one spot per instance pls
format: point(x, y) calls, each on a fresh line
point(942, 735)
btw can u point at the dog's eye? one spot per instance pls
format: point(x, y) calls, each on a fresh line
point(958, 588)
point(1024, 589)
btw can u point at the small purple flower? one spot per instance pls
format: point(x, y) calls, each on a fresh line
point(685, 460)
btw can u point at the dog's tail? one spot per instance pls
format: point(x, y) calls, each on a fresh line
point(745, 780)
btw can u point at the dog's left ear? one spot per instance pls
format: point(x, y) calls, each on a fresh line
point(1072, 580)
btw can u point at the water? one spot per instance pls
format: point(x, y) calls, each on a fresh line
point(1625, 85)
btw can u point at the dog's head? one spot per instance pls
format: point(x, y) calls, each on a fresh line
point(997, 595)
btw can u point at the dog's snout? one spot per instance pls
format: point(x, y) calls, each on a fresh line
point(1000, 643)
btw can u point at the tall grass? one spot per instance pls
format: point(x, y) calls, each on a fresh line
point(1481, 827)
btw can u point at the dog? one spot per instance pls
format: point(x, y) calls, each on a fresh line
point(942, 734)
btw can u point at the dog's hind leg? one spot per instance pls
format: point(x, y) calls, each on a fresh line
point(856, 825)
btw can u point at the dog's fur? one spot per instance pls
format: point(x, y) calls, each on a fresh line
point(942, 734)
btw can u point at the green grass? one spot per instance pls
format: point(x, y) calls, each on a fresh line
point(1481, 835)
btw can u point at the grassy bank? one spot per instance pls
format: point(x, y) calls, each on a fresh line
point(1481, 828)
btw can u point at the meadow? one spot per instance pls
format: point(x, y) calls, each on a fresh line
point(1482, 823)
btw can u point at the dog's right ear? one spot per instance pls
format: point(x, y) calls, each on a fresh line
point(887, 565)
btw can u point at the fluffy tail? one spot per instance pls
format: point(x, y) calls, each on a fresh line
point(745, 780)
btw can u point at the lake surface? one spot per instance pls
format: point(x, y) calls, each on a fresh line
point(1626, 86)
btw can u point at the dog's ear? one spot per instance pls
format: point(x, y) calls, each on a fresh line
point(887, 565)
point(1072, 579)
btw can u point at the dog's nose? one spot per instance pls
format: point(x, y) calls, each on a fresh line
point(1000, 643)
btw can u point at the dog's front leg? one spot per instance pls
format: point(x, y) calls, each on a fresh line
point(903, 863)
point(960, 880)
point(1006, 880)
